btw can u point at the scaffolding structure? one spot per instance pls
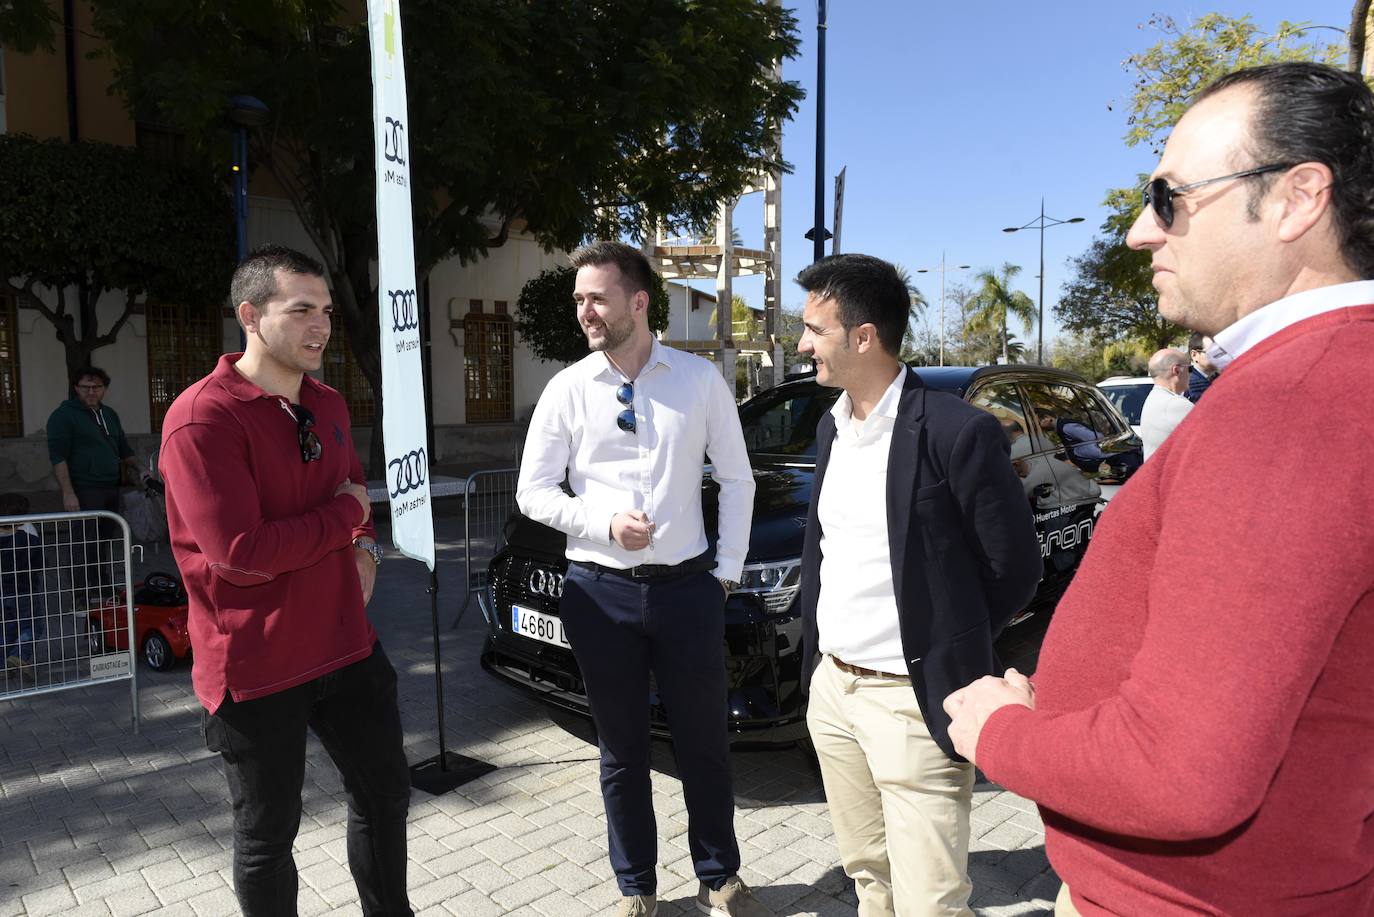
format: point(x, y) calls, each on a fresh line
point(718, 257)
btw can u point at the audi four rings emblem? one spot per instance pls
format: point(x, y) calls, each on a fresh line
point(407, 472)
point(550, 584)
point(403, 314)
point(394, 139)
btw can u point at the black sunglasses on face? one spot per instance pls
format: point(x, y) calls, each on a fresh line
point(1158, 195)
point(309, 442)
point(625, 394)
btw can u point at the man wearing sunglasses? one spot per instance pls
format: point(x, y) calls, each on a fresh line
point(1214, 753)
point(629, 427)
point(270, 526)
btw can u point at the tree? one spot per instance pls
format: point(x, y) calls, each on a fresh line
point(995, 300)
point(27, 25)
point(566, 120)
point(1359, 32)
point(546, 319)
point(916, 311)
point(1171, 72)
point(1111, 297)
point(101, 218)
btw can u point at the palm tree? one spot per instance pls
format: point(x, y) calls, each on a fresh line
point(917, 309)
point(995, 299)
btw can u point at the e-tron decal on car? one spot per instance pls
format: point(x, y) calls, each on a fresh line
point(1065, 539)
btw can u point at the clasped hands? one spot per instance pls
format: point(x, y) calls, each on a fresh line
point(970, 707)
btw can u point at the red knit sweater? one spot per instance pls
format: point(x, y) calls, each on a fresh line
point(264, 545)
point(1204, 734)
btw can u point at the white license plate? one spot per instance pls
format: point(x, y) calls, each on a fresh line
point(537, 626)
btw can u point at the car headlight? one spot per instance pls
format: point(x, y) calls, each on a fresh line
point(776, 581)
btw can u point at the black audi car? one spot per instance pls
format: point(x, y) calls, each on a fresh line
point(1069, 446)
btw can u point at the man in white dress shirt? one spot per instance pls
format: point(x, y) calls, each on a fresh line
point(919, 548)
point(1167, 404)
point(630, 427)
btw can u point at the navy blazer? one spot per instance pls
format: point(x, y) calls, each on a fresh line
point(962, 541)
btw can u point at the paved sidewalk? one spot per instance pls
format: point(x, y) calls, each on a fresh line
point(97, 820)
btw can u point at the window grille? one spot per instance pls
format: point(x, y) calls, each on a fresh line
point(184, 344)
point(11, 400)
point(489, 344)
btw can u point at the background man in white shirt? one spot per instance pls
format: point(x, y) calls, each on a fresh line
point(1167, 404)
point(630, 426)
point(919, 548)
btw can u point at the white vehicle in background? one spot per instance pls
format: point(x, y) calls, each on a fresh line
point(1127, 395)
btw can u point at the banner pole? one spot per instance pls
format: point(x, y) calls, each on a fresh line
point(438, 667)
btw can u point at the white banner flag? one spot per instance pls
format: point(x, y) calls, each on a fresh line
point(403, 414)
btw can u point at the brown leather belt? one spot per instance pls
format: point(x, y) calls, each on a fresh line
point(860, 670)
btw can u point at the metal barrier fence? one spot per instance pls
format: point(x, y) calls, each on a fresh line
point(488, 501)
point(67, 619)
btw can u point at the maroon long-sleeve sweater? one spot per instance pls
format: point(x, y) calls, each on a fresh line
point(263, 544)
point(1204, 734)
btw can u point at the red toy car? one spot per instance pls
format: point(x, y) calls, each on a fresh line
point(159, 623)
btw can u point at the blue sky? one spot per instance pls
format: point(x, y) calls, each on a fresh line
point(955, 118)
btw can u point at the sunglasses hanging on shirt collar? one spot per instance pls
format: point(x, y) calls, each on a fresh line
point(309, 443)
point(625, 394)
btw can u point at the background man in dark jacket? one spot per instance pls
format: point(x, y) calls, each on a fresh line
point(920, 546)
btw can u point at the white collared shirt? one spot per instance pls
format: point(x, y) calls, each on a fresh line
point(684, 414)
point(1247, 331)
point(1163, 410)
point(856, 612)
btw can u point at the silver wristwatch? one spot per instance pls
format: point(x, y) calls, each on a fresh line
point(728, 585)
point(372, 548)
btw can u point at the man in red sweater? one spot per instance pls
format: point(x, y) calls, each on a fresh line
point(269, 520)
point(1217, 756)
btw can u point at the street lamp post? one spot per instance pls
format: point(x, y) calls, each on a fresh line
point(819, 233)
point(245, 112)
point(1040, 223)
point(941, 268)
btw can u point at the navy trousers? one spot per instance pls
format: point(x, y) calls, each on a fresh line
point(621, 630)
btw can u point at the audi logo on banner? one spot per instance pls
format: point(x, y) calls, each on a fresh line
point(546, 583)
point(404, 316)
point(393, 142)
point(407, 472)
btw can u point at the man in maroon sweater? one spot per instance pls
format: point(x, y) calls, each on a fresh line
point(1217, 756)
point(269, 520)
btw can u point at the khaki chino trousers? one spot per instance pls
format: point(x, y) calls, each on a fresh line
point(899, 805)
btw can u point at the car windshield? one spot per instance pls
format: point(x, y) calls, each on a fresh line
point(1128, 399)
point(782, 421)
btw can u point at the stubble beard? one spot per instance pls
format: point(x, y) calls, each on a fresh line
point(612, 336)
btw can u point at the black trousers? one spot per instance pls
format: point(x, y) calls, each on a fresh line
point(262, 743)
point(620, 631)
point(97, 544)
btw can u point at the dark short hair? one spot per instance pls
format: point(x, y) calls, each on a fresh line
point(1195, 341)
point(867, 290)
point(1314, 113)
point(255, 279)
point(635, 271)
point(13, 504)
point(82, 372)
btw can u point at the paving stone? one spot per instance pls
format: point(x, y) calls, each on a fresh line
point(111, 823)
point(52, 900)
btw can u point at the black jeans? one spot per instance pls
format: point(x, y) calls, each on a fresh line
point(97, 544)
point(620, 631)
point(262, 743)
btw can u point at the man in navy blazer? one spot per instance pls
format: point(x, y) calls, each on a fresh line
point(900, 604)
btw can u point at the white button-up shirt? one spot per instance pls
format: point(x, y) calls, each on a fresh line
point(684, 414)
point(1249, 330)
point(856, 612)
point(1163, 410)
